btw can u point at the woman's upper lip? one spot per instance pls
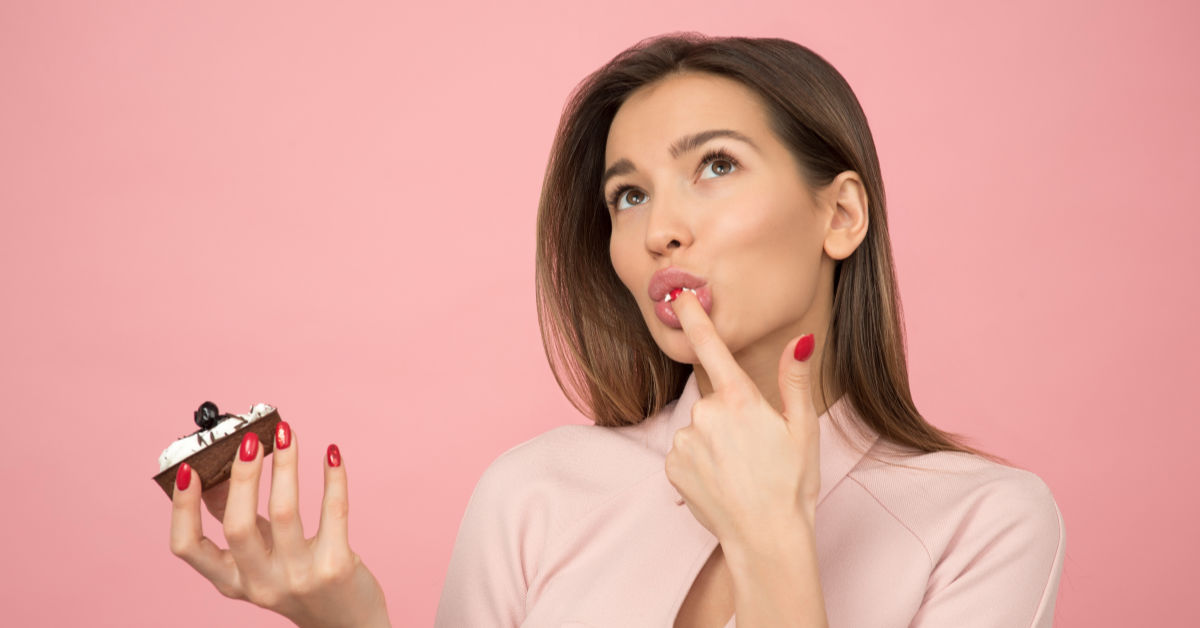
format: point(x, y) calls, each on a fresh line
point(663, 281)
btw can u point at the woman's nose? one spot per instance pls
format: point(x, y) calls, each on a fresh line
point(667, 223)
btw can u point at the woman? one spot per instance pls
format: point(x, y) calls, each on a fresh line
point(743, 168)
point(716, 291)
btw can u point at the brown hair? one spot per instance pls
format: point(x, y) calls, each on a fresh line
point(614, 371)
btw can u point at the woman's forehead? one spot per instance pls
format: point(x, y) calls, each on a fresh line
point(656, 115)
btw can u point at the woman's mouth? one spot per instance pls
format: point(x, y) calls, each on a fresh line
point(666, 312)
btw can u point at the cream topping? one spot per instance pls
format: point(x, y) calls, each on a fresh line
point(190, 444)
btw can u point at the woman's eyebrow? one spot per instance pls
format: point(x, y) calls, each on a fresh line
point(681, 146)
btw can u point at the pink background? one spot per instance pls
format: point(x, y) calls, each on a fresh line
point(332, 210)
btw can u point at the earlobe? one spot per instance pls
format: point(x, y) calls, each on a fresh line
point(850, 216)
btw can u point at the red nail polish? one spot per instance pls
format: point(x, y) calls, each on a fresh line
point(675, 293)
point(283, 435)
point(804, 347)
point(249, 448)
point(183, 477)
point(334, 456)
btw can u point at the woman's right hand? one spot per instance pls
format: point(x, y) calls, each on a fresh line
point(313, 582)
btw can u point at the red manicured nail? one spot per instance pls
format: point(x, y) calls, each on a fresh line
point(183, 477)
point(675, 293)
point(334, 456)
point(283, 435)
point(804, 347)
point(249, 448)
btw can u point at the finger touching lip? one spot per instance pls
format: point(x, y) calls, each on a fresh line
point(665, 310)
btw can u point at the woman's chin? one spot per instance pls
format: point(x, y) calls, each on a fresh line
point(677, 348)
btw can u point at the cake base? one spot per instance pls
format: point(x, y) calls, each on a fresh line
point(213, 463)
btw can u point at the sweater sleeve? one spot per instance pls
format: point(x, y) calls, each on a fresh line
point(492, 560)
point(1003, 566)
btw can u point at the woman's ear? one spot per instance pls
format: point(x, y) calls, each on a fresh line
point(846, 214)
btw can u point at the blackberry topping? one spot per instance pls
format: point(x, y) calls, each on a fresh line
point(207, 415)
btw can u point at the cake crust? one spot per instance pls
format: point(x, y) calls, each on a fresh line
point(214, 462)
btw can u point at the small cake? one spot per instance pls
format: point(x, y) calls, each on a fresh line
point(210, 449)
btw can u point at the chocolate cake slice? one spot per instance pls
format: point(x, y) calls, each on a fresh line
point(210, 449)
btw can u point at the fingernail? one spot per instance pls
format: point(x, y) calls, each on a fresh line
point(804, 347)
point(283, 435)
point(334, 456)
point(675, 293)
point(249, 448)
point(183, 477)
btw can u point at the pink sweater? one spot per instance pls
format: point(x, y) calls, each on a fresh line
point(580, 527)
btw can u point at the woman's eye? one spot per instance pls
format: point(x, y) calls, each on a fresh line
point(625, 192)
point(723, 167)
point(724, 164)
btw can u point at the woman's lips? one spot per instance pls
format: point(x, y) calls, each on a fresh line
point(666, 312)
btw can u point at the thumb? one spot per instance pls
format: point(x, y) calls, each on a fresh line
point(795, 377)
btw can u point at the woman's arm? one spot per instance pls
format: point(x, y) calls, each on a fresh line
point(1004, 565)
point(775, 578)
point(486, 579)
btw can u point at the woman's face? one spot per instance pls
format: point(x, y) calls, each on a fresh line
point(744, 223)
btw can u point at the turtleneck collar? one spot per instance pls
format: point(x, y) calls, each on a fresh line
point(838, 455)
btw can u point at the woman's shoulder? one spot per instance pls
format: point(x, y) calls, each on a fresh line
point(945, 471)
point(952, 474)
point(574, 460)
point(958, 501)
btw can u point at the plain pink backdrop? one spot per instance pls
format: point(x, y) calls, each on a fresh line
point(332, 208)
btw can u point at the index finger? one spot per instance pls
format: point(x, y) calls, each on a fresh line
point(187, 538)
point(718, 362)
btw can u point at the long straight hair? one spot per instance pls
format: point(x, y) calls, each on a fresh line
point(609, 367)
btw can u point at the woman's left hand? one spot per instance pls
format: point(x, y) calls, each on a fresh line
point(744, 469)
